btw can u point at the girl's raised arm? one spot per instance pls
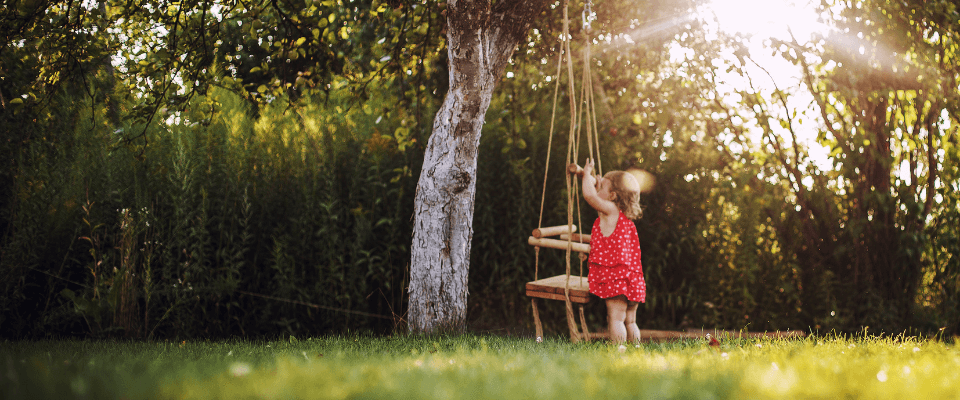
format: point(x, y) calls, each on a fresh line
point(591, 195)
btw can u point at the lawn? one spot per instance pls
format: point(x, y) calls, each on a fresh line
point(471, 366)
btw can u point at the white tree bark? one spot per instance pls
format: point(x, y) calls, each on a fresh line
point(480, 40)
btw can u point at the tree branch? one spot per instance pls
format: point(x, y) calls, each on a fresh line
point(819, 97)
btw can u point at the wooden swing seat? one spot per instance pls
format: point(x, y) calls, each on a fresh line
point(556, 287)
point(552, 288)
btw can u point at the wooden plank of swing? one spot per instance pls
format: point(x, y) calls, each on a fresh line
point(552, 288)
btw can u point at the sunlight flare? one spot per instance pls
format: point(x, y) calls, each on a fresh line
point(764, 18)
point(760, 24)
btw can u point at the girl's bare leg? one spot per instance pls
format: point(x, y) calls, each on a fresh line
point(616, 313)
point(630, 321)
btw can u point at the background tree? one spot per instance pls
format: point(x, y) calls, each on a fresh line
point(163, 60)
point(849, 243)
point(481, 37)
point(874, 94)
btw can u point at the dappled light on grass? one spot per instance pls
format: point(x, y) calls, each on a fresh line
point(483, 367)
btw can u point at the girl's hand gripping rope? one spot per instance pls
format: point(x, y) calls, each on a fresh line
point(574, 169)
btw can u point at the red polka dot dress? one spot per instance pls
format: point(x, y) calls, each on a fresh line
point(615, 267)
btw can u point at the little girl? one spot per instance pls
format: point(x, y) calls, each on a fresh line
point(615, 273)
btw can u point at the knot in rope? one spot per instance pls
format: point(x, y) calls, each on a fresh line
point(588, 16)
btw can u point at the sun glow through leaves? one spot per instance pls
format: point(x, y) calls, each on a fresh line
point(764, 18)
point(759, 24)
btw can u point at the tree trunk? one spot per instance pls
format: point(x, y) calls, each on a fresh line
point(480, 40)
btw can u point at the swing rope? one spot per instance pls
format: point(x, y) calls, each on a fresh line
point(588, 108)
point(546, 170)
point(572, 149)
point(584, 116)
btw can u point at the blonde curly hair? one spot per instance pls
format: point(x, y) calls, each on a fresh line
point(627, 190)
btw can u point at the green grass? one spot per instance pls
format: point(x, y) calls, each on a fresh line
point(472, 366)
